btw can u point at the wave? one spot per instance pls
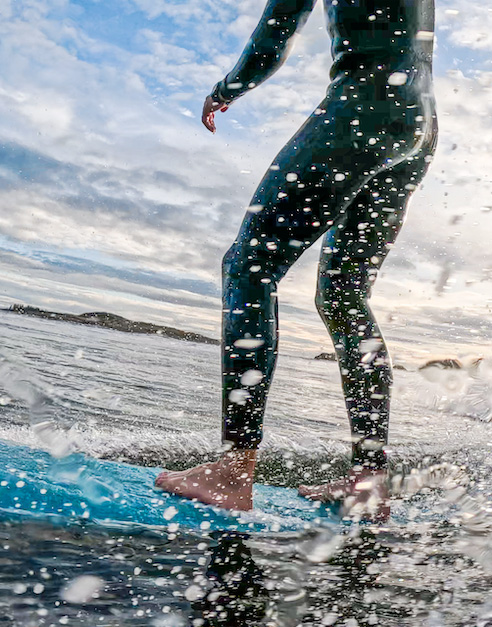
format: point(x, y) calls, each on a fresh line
point(282, 461)
point(287, 456)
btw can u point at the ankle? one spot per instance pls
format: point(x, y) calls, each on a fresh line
point(367, 471)
point(239, 464)
point(241, 455)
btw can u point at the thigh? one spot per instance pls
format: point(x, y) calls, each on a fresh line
point(373, 220)
point(317, 176)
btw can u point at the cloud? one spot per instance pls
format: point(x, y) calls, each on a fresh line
point(107, 175)
point(467, 26)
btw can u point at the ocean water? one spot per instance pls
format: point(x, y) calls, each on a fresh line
point(153, 402)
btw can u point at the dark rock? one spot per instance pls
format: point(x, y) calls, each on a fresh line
point(327, 356)
point(448, 363)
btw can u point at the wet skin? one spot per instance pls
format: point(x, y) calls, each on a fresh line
point(227, 483)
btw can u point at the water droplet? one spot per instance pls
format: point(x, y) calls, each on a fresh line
point(239, 396)
point(425, 35)
point(170, 512)
point(194, 592)
point(251, 377)
point(255, 208)
point(397, 78)
point(82, 589)
point(249, 343)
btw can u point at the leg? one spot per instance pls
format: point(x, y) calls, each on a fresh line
point(342, 301)
point(249, 346)
point(350, 259)
point(308, 190)
point(324, 179)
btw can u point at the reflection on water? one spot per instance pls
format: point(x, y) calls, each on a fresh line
point(373, 577)
point(236, 592)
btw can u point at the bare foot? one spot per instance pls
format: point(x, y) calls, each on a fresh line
point(364, 493)
point(227, 483)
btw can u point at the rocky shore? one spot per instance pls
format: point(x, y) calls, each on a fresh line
point(112, 321)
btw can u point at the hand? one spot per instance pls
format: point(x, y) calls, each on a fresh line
point(209, 109)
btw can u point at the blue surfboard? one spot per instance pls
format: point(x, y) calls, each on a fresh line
point(77, 488)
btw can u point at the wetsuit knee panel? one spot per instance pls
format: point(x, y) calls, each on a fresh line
point(344, 287)
point(235, 262)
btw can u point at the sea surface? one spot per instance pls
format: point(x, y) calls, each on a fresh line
point(153, 401)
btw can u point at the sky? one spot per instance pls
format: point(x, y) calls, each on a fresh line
point(114, 197)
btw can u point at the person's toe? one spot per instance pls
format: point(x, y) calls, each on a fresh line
point(309, 491)
point(162, 480)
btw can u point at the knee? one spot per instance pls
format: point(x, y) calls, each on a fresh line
point(226, 261)
point(341, 295)
point(231, 261)
point(238, 264)
point(319, 301)
point(251, 265)
point(327, 300)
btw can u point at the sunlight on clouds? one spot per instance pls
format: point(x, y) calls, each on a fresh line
point(100, 293)
point(468, 26)
point(42, 220)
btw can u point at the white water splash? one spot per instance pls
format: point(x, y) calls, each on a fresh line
point(21, 385)
point(82, 589)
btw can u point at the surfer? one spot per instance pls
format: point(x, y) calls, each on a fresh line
point(347, 176)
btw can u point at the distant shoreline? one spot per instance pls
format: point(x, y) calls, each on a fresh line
point(105, 320)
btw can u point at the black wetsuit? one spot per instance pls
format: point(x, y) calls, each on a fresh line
point(347, 175)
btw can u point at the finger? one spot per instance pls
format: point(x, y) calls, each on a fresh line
point(224, 108)
point(206, 115)
point(208, 121)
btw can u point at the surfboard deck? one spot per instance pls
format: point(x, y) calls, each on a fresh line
point(78, 488)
